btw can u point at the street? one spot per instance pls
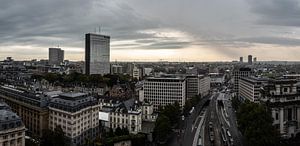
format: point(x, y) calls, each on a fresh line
point(189, 126)
point(212, 124)
point(224, 126)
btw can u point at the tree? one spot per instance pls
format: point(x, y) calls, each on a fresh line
point(235, 103)
point(29, 142)
point(54, 138)
point(255, 123)
point(187, 107)
point(195, 100)
point(162, 128)
point(172, 111)
point(118, 131)
point(60, 138)
point(47, 138)
point(110, 133)
point(125, 131)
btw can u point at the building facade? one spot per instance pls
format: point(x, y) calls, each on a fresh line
point(204, 85)
point(216, 79)
point(136, 73)
point(56, 56)
point(12, 129)
point(129, 114)
point(282, 97)
point(77, 115)
point(238, 73)
point(250, 88)
point(97, 54)
point(116, 69)
point(161, 91)
point(30, 106)
point(249, 59)
point(197, 85)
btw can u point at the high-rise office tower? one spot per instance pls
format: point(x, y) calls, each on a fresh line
point(241, 59)
point(97, 54)
point(249, 59)
point(254, 60)
point(56, 56)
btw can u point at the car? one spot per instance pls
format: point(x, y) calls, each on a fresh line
point(228, 133)
point(199, 142)
point(210, 125)
point(231, 141)
point(211, 136)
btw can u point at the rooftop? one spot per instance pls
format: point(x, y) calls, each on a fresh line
point(8, 119)
point(73, 94)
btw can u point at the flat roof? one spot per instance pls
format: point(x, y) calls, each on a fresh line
point(73, 94)
point(95, 34)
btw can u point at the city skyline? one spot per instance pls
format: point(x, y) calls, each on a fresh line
point(148, 31)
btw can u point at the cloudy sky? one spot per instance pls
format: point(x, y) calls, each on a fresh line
point(152, 30)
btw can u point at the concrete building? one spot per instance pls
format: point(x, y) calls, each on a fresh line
point(129, 114)
point(77, 115)
point(116, 69)
point(165, 90)
point(191, 70)
point(241, 60)
point(31, 107)
point(12, 129)
point(238, 73)
point(197, 85)
point(204, 85)
point(56, 56)
point(216, 79)
point(249, 59)
point(136, 73)
point(254, 59)
point(147, 71)
point(292, 76)
point(249, 88)
point(97, 54)
point(192, 86)
point(282, 97)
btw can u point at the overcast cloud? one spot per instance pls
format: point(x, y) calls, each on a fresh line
point(223, 29)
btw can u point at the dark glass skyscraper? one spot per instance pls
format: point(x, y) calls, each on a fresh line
point(97, 54)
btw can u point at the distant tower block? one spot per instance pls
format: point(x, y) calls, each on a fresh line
point(254, 59)
point(250, 59)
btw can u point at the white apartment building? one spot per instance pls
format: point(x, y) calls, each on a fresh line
point(249, 88)
point(12, 129)
point(128, 114)
point(161, 91)
point(77, 115)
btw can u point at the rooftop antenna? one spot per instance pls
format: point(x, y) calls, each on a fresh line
point(99, 29)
